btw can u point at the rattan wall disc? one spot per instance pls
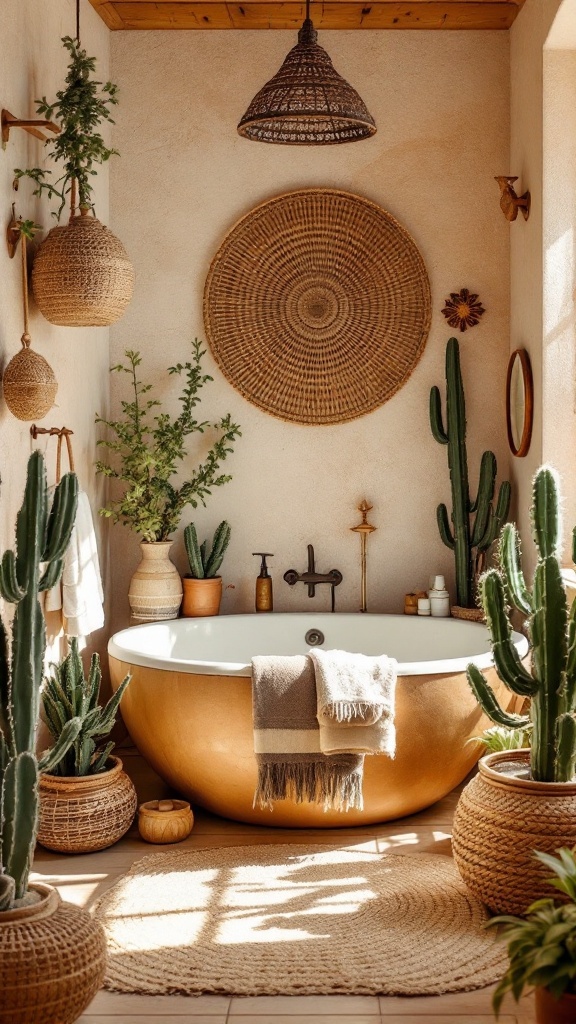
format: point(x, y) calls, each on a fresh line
point(317, 306)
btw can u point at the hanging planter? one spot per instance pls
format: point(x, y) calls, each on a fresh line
point(82, 276)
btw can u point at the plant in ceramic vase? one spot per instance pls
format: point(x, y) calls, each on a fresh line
point(36, 984)
point(542, 947)
point(522, 794)
point(87, 802)
point(203, 587)
point(462, 533)
point(82, 276)
point(149, 451)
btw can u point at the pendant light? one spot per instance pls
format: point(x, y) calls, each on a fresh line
point(307, 103)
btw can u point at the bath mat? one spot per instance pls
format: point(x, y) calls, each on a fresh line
point(296, 920)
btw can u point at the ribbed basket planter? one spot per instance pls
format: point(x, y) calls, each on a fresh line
point(201, 597)
point(82, 276)
point(554, 1011)
point(155, 591)
point(500, 820)
point(86, 813)
point(52, 960)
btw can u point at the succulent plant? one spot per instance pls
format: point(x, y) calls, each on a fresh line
point(69, 695)
point(42, 536)
point(205, 564)
point(551, 683)
point(465, 535)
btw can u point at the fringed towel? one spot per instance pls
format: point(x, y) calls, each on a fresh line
point(355, 702)
point(291, 764)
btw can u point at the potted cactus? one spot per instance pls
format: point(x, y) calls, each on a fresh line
point(524, 798)
point(52, 954)
point(87, 802)
point(203, 587)
point(469, 538)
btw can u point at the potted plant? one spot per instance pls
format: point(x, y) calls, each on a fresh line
point(542, 948)
point(52, 953)
point(150, 450)
point(466, 534)
point(522, 799)
point(81, 276)
point(203, 587)
point(87, 802)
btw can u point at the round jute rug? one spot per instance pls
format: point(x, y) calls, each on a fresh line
point(294, 920)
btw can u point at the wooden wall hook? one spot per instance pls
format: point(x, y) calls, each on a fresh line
point(8, 121)
point(510, 203)
point(13, 233)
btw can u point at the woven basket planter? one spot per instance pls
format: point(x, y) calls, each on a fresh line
point(82, 276)
point(29, 384)
point(87, 813)
point(52, 960)
point(500, 820)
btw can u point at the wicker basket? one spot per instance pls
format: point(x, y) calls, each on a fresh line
point(88, 813)
point(469, 614)
point(82, 276)
point(52, 960)
point(29, 384)
point(500, 820)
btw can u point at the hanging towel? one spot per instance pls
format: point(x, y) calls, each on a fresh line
point(79, 595)
point(291, 764)
point(355, 702)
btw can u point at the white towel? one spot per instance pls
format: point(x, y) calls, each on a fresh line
point(355, 702)
point(79, 595)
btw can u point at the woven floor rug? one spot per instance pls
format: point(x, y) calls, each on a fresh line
point(294, 920)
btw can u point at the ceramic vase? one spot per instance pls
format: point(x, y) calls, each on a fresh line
point(156, 588)
point(201, 597)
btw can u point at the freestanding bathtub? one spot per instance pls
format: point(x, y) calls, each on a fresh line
point(189, 707)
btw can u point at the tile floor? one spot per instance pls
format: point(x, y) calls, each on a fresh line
point(82, 879)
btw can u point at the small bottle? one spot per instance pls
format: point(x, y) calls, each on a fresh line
point(439, 599)
point(423, 606)
point(264, 601)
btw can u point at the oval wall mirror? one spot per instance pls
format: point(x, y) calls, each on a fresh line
point(519, 402)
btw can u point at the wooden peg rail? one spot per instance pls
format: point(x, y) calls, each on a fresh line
point(53, 431)
point(61, 433)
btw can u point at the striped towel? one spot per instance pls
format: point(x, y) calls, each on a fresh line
point(287, 740)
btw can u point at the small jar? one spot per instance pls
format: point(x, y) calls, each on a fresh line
point(423, 606)
point(165, 821)
point(439, 599)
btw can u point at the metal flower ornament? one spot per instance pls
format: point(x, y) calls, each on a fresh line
point(463, 309)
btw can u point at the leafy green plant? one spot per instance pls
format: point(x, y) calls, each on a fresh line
point(69, 695)
point(80, 108)
point(150, 449)
point(499, 738)
point(542, 946)
point(205, 564)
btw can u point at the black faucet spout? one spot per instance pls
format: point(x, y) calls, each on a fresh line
point(312, 578)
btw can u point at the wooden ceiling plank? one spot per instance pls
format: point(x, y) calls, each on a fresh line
point(108, 13)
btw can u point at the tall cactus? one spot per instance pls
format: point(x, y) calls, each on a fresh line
point(204, 565)
point(42, 537)
point(551, 684)
point(465, 534)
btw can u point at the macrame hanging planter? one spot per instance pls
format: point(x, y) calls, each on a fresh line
point(82, 276)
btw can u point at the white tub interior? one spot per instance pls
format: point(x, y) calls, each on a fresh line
point(225, 644)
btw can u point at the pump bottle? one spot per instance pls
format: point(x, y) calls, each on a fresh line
point(264, 601)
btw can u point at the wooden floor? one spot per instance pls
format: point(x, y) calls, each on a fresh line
point(82, 879)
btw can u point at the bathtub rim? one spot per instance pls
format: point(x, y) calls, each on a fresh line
point(446, 666)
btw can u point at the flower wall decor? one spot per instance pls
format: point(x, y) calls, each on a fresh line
point(463, 309)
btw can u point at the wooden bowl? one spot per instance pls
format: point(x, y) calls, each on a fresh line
point(165, 821)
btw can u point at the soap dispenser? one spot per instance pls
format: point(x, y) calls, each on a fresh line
point(264, 602)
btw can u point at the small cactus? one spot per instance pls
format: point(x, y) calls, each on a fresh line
point(464, 535)
point(551, 684)
point(68, 694)
point(204, 565)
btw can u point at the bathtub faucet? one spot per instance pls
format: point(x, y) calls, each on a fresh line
point(313, 578)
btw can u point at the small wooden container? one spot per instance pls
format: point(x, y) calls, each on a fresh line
point(165, 821)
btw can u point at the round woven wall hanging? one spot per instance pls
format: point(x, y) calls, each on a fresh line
point(317, 306)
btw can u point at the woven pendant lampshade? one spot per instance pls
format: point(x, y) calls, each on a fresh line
point(307, 103)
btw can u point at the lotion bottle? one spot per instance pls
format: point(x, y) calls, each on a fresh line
point(264, 601)
point(439, 599)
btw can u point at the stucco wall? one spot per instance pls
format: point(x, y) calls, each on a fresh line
point(441, 101)
point(33, 63)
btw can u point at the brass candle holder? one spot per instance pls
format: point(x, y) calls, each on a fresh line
point(364, 529)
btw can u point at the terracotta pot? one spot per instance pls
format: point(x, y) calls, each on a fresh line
point(52, 960)
point(85, 813)
point(165, 821)
point(156, 588)
point(500, 820)
point(554, 1011)
point(201, 597)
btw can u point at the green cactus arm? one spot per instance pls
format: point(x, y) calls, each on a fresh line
point(444, 526)
point(7, 892)
point(203, 555)
point(219, 547)
point(506, 658)
point(574, 544)
point(497, 517)
point(10, 588)
point(436, 424)
point(571, 660)
point(512, 671)
point(94, 680)
point(483, 504)
point(486, 698)
point(104, 722)
point(20, 809)
point(28, 647)
point(31, 523)
point(51, 575)
point(193, 552)
point(544, 512)
point(509, 557)
point(549, 626)
point(4, 686)
point(99, 763)
point(61, 519)
point(84, 749)
point(54, 714)
point(566, 743)
point(69, 733)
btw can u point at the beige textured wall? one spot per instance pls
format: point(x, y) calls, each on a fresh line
point(33, 63)
point(441, 102)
